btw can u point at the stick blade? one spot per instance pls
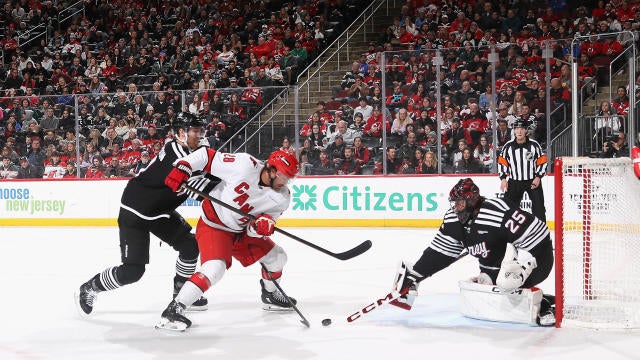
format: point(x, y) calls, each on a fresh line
point(358, 250)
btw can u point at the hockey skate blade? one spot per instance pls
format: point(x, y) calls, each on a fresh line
point(166, 324)
point(197, 308)
point(275, 308)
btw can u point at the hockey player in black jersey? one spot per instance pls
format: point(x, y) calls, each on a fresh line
point(512, 246)
point(147, 207)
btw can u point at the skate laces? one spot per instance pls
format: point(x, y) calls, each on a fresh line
point(178, 308)
point(278, 297)
point(88, 295)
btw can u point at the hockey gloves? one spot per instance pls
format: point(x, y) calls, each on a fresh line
point(516, 267)
point(178, 175)
point(264, 225)
point(405, 283)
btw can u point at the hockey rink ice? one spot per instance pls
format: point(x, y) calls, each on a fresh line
point(40, 269)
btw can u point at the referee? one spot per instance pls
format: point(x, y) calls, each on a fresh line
point(521, 166)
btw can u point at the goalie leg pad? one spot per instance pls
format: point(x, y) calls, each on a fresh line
point(516, 267)
point(489, 302)
point(406, 283)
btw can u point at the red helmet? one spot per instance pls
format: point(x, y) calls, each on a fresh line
point(464, 189)
point(284, 162)
point(469, 192)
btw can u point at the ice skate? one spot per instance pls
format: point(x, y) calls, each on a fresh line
point(85, 298)
point(275, 301)
point(547, 318)
point(201, 304)
point(173, 318)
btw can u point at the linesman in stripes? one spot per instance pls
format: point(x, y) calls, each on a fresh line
point(521, 166)
point(148, 207)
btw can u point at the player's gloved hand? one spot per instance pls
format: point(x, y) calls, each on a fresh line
point(516, 267)
point(264, 225)
point(178, 175)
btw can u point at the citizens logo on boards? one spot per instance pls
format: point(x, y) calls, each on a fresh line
point(357, 198)
point(304, 197)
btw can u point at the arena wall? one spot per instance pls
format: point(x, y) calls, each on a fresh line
point(345, 201)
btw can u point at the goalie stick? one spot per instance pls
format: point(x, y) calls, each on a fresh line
point(390, 297)
point(346, 255)
point(393, 295)
point(304, 320)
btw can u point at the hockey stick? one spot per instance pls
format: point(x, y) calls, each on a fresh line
point(346, 255)
point(393, 295)
point(304, 320)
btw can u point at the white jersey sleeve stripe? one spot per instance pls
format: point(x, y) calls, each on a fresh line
point(533, 235)
point(446, 245)
point(178, 150)
point(488, 223)
point(493, 212)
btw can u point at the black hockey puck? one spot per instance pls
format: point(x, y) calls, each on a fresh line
point(326, 322)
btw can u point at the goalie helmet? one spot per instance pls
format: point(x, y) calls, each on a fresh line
point(465, 199)
point(284, 162)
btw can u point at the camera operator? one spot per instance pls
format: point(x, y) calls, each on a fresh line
point(615, 146)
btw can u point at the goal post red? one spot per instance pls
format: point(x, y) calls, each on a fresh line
point(597, 242)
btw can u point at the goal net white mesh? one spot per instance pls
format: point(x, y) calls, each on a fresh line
point(598, 282)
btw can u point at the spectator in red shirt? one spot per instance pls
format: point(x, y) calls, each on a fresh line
point(374, 123)
point(476, 123)
point(621, 102)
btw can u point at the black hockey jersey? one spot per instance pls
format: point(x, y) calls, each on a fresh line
point(147, 196)
point(485, 238)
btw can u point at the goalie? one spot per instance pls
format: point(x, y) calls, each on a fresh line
point(513, 249)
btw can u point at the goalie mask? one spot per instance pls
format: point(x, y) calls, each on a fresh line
point(465, 199)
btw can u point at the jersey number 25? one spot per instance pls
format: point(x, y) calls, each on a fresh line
point(517, 219)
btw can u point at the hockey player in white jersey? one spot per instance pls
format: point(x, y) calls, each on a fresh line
point(513, 248)
point(253, 187)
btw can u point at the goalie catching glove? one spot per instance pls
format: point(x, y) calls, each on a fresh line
point(264, 225)
point(178, 175)
point(516, 267)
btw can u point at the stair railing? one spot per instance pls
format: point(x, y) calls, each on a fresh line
point(339, 44)
point(272, 105)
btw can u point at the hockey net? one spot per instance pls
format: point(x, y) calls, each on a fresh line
point(597, 220)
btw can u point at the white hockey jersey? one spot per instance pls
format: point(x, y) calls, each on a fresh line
point(239, 187)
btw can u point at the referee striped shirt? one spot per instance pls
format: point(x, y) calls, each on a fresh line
point(522, 161)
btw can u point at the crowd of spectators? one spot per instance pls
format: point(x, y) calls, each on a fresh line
point(130, 67)
point(464, 34)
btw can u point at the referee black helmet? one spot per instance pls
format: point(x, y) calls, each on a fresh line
point(520, 123)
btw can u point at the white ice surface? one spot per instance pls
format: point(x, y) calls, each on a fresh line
point(40, 268)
